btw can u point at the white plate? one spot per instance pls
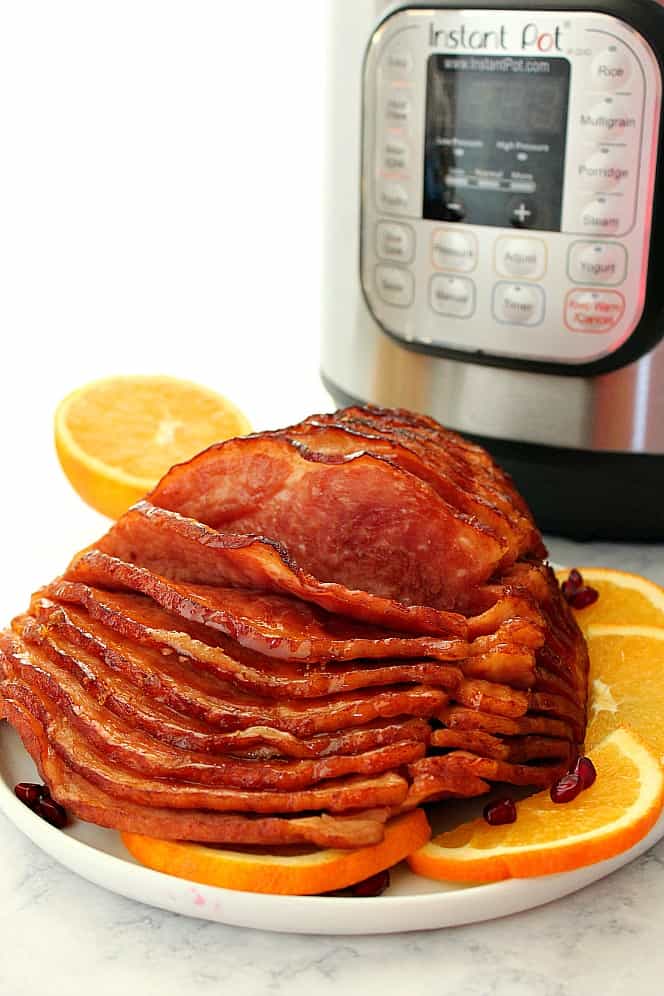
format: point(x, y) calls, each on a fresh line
point(411, 903)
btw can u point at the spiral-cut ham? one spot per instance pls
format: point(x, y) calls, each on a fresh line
point(299, 634)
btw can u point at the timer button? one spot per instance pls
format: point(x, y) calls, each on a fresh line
point(518, 304)
point(394, 285)
point(593, 311)
point(520, 258)
point(609, 118)
point(597, 263)
point(454, 250)
point(454, 296)
point(610, 69)
point(395, 242)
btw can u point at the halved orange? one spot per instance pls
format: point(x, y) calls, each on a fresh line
point(612, 815)
point(117, 437)
point(624, 599)
point(626, 683)
point(293, 875)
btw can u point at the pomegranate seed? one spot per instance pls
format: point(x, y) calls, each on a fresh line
point(584, 597)
point(52, 812)
point(585, 769)
point(30, 793)
point(500, 812)
point(373, 886)
point(567, 788)
point(574, 581)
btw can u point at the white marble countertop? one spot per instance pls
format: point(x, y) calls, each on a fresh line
point(60, 936)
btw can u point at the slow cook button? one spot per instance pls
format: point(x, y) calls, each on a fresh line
point(454, 296)
point(597, 263)
point(454, 250)
point(521, 257)
point(610, 118)
point(518, 304)
point(610, 69)
point(593, 311)
point(394, 285)
point(394, 241)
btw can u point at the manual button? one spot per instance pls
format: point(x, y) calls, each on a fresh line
point(597, 263)
point(593, 311)
point(394, 285)
point(454, 296)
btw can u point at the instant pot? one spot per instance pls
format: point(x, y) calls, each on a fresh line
point(494, 239)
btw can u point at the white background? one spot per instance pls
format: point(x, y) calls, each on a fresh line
point(161, 206)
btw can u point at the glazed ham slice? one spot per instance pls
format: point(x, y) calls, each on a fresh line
point(355, 519)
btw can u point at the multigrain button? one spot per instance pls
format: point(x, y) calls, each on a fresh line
point(611, 118)
point(593, 311)
point(520, 258)
point(394, 285)
point(597, 263)
point(518, 304)
point(395, 242)
point(605, 169)
point(453, 296)
point(610, 69)
point(453, 250)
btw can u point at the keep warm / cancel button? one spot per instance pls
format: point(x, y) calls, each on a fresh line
point(593, 311)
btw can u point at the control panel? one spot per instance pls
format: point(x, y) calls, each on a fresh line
point(508, 171)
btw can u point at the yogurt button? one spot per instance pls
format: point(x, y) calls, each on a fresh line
point(597, 263)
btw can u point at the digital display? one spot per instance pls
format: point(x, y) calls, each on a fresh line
point(495, 140)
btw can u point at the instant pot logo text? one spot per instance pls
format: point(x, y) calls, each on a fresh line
point(500, 39)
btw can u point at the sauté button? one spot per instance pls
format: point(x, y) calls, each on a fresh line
point(610, 69)
point(518, 304)
point(597, 263)
point(521, 257)
point(593, 311)
point(394, 241)
point(454, 296)
point(453, 250)
point(394, 285)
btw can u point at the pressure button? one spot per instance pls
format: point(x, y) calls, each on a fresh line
point(453, 250)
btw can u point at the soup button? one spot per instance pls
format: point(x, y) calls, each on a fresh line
point(593, 311)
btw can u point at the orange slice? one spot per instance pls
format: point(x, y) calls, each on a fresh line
point(117, 437)
point(604, 820)
point(293, 875)
point(624, 599)
point(626, 683)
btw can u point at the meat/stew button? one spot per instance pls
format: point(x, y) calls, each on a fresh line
point(593, 311)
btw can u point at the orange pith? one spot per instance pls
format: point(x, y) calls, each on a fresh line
point(116, 437)
point(624, 599)
point(299, 875)
point(604, 820)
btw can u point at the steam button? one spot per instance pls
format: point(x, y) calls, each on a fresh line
point(602, 216)
point(394, 285)
point(518, 304)
point(453, 296)
point(610, 69)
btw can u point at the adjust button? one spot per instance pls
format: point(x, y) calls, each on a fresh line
point(593, 311)
point(395, 242)
point(610, 69)
point(518, 304)
point(521, 257)
point(597, 263)
point(394, 285)
point(454, 296)
point(454, 250)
